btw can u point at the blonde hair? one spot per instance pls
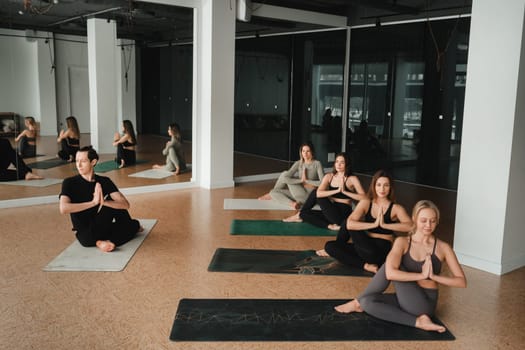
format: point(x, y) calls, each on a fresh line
point(423, 204)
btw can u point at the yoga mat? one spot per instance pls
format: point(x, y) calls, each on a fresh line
point(277, 228)
point(79, 258)
point(152, 174)
point(157, 173)
point(108, 165)
point(33, 183)
point(298, 262)
point(47, 164)
point(255, 204)
point(285, 320)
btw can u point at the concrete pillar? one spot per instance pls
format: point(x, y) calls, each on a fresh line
point(489, 215)
point(102, 35)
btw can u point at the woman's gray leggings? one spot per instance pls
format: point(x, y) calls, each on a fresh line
point(403, 307)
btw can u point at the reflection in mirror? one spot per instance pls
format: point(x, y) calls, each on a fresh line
point(47, 77)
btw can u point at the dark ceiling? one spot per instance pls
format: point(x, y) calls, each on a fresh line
point(153, 23)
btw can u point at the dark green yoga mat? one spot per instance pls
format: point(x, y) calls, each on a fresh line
point(284, 320)
point(48, 163)
point(277, 228)
point(298, 262)
point(104, 167)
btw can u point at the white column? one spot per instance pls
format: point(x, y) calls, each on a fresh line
point(214, 54)
point(46, 85)
point(489, 214)
point(102, 37)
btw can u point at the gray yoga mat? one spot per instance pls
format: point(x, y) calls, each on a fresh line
point(79, 258)
point(33, 183)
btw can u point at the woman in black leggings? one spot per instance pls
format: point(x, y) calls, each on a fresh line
point(414, 266)
point(8, 156)
point(371, 226)
point(335, 195)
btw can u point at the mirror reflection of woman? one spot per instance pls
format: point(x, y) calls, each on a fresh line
point(126, 144)
point(414, 267)
point(175, 159)
point(27, 139)
point(69, 140)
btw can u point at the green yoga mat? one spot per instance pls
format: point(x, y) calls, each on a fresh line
point(298, 262)
point(104, 167)
point(285, 320)
point(277, 228)
point(48, 163)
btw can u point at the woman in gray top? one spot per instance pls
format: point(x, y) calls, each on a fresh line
point(175, 160)
point(294, 185)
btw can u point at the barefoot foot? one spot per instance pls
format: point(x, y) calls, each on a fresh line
point(156, 166)
point(265, 197)
point(424, 322)
point(105, 246)
point(351, 306)
point(31, 176)
point(294, 218)
point(334, 227)
point(370, 267)
point(322, 252)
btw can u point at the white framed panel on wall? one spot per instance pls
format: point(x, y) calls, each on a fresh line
point(78, 80)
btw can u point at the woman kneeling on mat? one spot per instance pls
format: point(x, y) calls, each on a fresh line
point(414, 266)
point(371, 226)
point(99, 211)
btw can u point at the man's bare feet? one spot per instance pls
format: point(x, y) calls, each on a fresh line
point(105, 246)
point(322, 252)
point(31, 176)
point(294, 218)
point(370, 267)
point(351, 306)
point(265, 197)
point(334, 227)
point(424, 322)
point(141, 229)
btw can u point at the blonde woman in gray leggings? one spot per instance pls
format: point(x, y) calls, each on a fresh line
point(414, 267)
point(294, 185)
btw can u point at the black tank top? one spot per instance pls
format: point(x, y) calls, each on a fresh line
point(386, 219)
point(412, 265)
point(338, 195)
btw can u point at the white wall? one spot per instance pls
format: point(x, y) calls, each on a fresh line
point(125, 59)
point(488, 231)
point(19, 87)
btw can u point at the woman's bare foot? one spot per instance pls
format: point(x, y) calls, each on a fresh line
point(122, 164)
point(351, 306)
point(105, 246)
point(322, 252)
point(177, 171)
point(334, 227)
point(295, 205)
point(424, 322)
point(156, 166)
point(31, 176)
point(294, 218)
point(265, 197)
point(370, 267)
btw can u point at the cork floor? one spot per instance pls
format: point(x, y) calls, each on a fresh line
point(135, 308)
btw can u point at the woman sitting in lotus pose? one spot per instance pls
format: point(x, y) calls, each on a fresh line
point(414, 266)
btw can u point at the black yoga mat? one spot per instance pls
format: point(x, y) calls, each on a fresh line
point(301, 262)
point(277, 228)
point(284, 320)
point(48, 163)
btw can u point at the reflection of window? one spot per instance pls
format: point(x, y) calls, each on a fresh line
point(327, 91)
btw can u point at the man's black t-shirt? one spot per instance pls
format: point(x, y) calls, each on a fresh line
point(80, 190)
